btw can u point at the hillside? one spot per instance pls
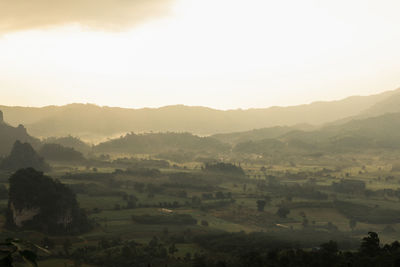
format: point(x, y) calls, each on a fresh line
point(23, 156)
point(92, 122)
point(9, 135)
point(260, 134)
point(161, 142)
point(388, 105)
point(69, 141)
point(381, 132)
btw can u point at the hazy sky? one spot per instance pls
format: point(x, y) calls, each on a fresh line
point(217, 53)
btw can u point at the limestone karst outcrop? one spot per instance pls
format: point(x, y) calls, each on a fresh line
point(23, 156)
point(37, 202)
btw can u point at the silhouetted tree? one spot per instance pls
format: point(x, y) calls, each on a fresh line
point(283, 212)
point(370, 245)
point(261, 205)
point(352, 224)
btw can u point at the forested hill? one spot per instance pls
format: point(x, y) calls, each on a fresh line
point(91, 121)
point(387, 105)
point(260, 134)
point(161, 142)
point(373, 132)
point(381, 132)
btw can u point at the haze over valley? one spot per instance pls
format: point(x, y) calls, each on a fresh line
point(199, 133)
point(316, 169)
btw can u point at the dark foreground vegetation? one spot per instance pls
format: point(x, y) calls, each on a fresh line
point(240, 250)
point(236, 250)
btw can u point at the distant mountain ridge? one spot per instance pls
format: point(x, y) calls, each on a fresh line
point(380, 132)
point(260, 134)
point(362, 134)
point(92, 122)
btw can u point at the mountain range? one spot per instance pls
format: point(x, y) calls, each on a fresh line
point(95, 123)
point(373, 122)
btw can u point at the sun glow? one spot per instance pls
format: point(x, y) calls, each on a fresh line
point(218, 53)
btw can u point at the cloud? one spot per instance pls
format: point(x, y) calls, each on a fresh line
point(114, 15)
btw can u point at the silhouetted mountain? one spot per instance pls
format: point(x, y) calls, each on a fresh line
point(382, 132)
point(56, 152)
point(160, 142)
point(91, 121)
point(37, 202)
point(260, 134)
point(388, 105)
point(9, 134)
point(69, 141)
point(23, 156)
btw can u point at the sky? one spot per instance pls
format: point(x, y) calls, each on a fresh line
point(224, 54)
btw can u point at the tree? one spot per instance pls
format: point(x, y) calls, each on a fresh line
point(267, 199)
point(261, 205)
point(196, 200)
point(172, 249)
point(305, 222)
point(67, 246)
point(131, 204)
point(226, 168)
point(204, 223)
point(283, 212)
point(153, 242)
point(289, 198)
point(368, 193)
point(263, 169)
point(331, 247)
point(370, 245)
point(331, 227)
point(126, 252)
point(352, 224)
point(58, 152)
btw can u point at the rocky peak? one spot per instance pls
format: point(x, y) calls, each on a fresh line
point(22, 156)
point(10, 134)
point(37, 202)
